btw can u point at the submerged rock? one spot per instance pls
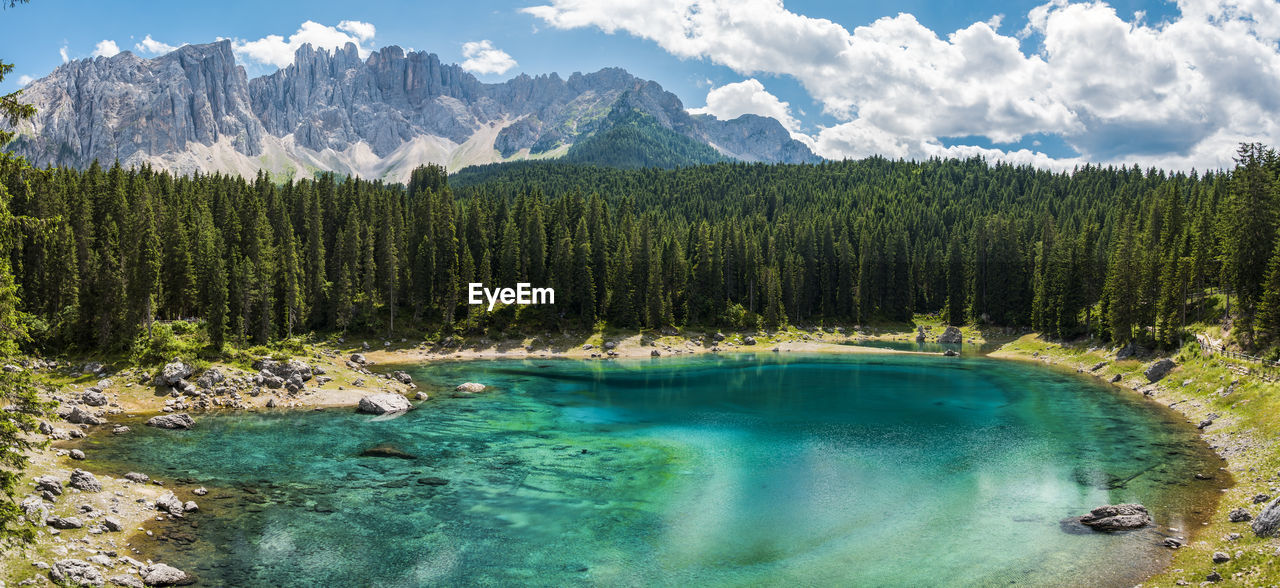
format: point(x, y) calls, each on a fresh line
point(384, 403)
point(432, 481)
point(181, 420)
point(387, 450)
point(1116, 517)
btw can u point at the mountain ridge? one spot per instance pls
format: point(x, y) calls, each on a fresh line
point(196, 110)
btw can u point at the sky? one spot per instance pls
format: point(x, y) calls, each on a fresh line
point(1056, 84)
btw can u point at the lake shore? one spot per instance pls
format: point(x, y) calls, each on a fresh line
point(1225, 409)
point(349, 372)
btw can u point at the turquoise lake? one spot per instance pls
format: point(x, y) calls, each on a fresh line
point(738, 470)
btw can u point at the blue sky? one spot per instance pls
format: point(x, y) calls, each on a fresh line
point(1052, 83)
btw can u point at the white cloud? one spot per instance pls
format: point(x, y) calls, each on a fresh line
point(483, 58)
point(24, 80)
point(278, 51)
point(153, 47)
point(1117, 91)
point(63, 53)
point(748, 97)
point(362, 30)
point(106, 48)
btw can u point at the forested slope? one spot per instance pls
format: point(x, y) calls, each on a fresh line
point(1110, 251)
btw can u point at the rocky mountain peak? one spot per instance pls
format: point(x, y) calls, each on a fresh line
point(194, 109)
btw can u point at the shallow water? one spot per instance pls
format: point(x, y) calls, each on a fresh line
point(715, 470)
point(927, 346)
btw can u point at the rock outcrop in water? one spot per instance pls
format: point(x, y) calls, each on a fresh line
point(469, 388)
point(195, 110)
point(1116, 517)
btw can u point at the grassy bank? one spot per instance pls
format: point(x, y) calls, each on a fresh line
point(1244, 432)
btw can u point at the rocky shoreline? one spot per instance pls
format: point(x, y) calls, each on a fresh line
point(1233, 532)
point(97, 524)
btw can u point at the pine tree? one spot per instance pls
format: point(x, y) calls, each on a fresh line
point(775, 315)
point(1269, 308)
point(144, 280)
point(956, 281)
point(584, 282)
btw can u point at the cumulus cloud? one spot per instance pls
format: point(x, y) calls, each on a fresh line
point(63, 53)
point(483, 58)
point(748, 97)
point(278, 51)
point(1117, 91)
point(153, 47)
point(105, 48)
point(362, 30)
point(24, 80)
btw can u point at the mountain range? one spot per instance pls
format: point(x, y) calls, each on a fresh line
point(195, 109)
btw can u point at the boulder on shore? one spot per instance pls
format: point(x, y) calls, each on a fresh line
point(75, 572)
point(170, 504)
point(285, 370)
point(1158, 369)
point(94, 397)
point(384, 403)
point(402, 377)
point(173, 372)
point(64, 523)
point(1117, 517)
point(180, 420)
point(951, 335)
point(80, 416)
point(84, 481)
point(210, 378)
point(1267, 523)
point(163, 575)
